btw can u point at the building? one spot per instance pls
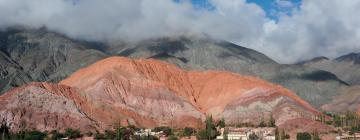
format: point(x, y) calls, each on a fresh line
point(244, 133)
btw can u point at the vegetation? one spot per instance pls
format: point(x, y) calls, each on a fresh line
point(303, 136)
point(253, 136)
point(70, 133)
point(221, 123)
point(281, 135)
point(55, 135)
point(187, 131)
point(271, 121)
point(209, 132)
point(166, 130)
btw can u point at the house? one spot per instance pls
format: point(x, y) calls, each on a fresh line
point(266, 133)
point(348, 137)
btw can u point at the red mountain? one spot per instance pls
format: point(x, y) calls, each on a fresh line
point(148, 93)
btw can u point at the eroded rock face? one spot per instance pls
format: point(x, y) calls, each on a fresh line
point(45, 107)
point(349, 101)
point(150, 93)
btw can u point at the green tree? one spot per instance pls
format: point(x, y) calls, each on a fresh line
point(221, 123)
point(123, 133)
point(187, 131)
point(70, 133)
point(109, 135)
point(34, 135)
point(303, 136)
point(166, 130)
point(172, 137)
point(98, 136)
point(210, 128)
point(56, 135)
point(316, 136)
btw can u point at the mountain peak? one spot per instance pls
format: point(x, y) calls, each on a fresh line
point(354, 57)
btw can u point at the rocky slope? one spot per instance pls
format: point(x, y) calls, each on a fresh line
point(150, 93)
point(349, 101)
point(315, 86)
point(346, 67)
point(45, 107)
point(39, 55)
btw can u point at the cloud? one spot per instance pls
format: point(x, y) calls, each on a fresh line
point(318, 27)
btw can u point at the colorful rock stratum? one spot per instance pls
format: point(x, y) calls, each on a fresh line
point(148, 93)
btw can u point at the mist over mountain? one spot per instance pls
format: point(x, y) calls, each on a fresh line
point(313, 28)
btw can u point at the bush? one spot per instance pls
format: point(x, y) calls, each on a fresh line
point(303, 136)
point(172, 137)
point(188, 131)
point(55, 135)
point(166, 130)
point(34, 135)
point(109, 135)
point(70, 133)
point(221, 123)
point(98, 136)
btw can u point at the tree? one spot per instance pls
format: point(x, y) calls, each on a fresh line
point(303, 136)
point(226, 132)
point(4, 131)
point(187, 131)
point(315, 135)
point(221, 123)
point(202, 135)
point(98, 136)
point(282, 135)
point(262, 122)
point(253, 136)
point(122, 133)
point(34, 135)
point(271, 121)
point(210, 128)
point(56, 135)
point(166, 130)
point(70, 133)
point(277, 134)
point(172, 137)
point(109, 135)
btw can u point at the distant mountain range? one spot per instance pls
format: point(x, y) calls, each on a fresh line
point(346, 67)
point(40, 55)
point(29, 55)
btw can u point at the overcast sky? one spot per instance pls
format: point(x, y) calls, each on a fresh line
point(288, 31)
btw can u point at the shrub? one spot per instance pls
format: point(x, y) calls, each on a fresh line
point(188, 131)
point(70, 133)
point(303, 136)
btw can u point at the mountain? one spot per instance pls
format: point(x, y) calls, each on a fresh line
point(349, 101)
point(318, 87)
point(346, 67)
point(44, 106)
point(148, 93)
point(41, 55)
point(28, 55)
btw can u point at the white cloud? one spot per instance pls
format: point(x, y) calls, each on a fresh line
point(319, 27)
